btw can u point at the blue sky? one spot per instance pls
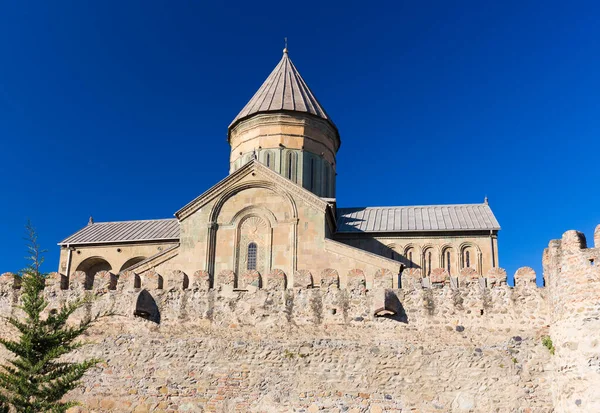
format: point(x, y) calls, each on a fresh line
point(120, 109)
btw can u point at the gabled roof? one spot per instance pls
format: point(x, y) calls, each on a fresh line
point(262, 172)
point(284, 90)
point(464, 217)
point(125, 231)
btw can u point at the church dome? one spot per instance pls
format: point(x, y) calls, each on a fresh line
point(284, 90)
point(285, 127)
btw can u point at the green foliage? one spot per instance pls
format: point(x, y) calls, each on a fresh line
point(514, 360)
point(39, 374)
point(547, 342)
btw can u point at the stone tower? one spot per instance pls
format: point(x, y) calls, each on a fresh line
point(285, 128)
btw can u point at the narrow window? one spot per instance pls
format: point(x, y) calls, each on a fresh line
point(252, 250)
point(410, 262)
point(467, 259)
point(428, 263)
point(290, 159)
point(448, 262)
point(268, 159)
point(312, 174)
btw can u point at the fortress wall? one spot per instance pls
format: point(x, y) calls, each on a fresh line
point(572, 274)
point(298, 349)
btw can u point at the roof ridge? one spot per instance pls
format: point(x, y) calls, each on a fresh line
point(134, 220)
point(414, 206)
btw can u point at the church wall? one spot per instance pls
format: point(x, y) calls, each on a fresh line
point(397, 247)
point(115, 254)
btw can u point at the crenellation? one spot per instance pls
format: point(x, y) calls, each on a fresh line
point(572, 277)
point(321, 324)
point(524, 276)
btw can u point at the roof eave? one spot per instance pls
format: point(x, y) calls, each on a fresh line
point(412, 231)
point(135, 241)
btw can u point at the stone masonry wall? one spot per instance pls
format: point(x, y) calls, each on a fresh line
point(437, 344)
point(572, 275)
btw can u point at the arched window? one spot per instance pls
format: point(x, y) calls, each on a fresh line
point(427, 263)
point(448, 261)
point(410, 261)
point(467, 259)
point(252, 253)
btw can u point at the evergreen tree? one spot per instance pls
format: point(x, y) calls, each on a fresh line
point(40, 374)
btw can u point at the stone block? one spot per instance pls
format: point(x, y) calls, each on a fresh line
point(105, 280)
point(525, 276)
point(303, 279)
point(178, 280)
point(573, 241)
point(250, 278)
point(200, 280)
point(439, 276)
point(226, 277)
point(152, 280)
point(128, 281)
point(496, 276)
point(276, 280)
point(78, 281)
point(383, 278)
point(330, 279)
point(356, 282)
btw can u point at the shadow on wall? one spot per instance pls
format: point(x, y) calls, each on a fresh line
point(392, 308)
point(146, 307)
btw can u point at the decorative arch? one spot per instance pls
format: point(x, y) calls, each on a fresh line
point(240, 216)
point(253, 244)
point(429, 259)
point(269, 159)
point(411, 255)
point(448, 259)
point(391, 251)
point(131, 262)
point(291, 166)
point(471, 256)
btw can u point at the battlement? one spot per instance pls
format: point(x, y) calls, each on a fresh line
point(181, 297)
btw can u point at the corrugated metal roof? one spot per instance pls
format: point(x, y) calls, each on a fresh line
point(125, 231)
point(284, 89)
point(463, 217)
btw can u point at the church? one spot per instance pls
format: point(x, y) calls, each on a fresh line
point(277, 212)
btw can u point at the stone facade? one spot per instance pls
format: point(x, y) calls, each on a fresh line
point(350, 342)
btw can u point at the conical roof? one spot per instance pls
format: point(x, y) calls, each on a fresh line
point(284, 90)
